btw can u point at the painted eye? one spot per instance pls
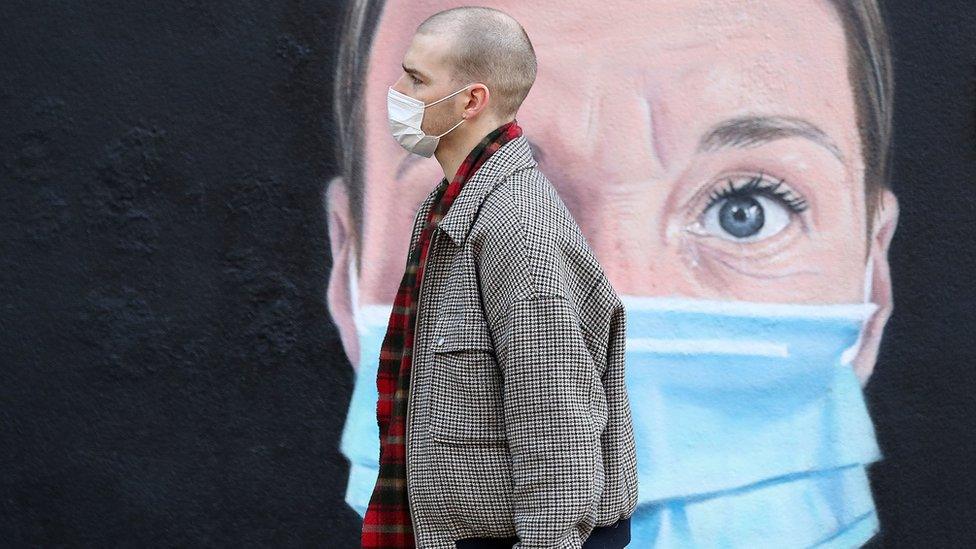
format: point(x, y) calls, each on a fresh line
point(745, 217)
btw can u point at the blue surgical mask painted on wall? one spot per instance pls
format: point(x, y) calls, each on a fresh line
point(751, 426)
point(360, 441)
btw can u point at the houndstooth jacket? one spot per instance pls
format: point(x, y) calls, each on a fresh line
point(518, 421)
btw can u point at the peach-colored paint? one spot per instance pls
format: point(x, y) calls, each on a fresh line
point(624, 92)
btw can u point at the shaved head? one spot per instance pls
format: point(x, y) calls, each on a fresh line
point(488, 46)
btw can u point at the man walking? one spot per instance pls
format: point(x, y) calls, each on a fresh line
point(503, 416)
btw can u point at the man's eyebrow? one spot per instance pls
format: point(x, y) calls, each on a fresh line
point(749, 131)
point(411, 70)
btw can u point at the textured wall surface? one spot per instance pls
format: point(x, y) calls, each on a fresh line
point(170, 374)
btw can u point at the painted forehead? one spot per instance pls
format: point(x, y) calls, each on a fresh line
point(795, 46)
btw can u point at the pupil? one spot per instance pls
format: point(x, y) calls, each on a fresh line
point(741, 217)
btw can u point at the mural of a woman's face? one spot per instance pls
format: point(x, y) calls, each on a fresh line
point(710, 152)
point(708, 149)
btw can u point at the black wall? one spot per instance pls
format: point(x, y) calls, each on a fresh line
point(170, 375)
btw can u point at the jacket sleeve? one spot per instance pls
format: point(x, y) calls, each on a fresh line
point(548, 372)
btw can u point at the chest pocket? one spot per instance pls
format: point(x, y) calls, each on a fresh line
point(466, 383)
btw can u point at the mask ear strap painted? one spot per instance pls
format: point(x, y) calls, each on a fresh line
point(868, 279)
point(369, 315)
point(851, 352)
point(354, 292)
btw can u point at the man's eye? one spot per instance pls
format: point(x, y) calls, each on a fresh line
point(754, 211)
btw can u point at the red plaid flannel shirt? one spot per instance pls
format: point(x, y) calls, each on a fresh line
point(387, 523)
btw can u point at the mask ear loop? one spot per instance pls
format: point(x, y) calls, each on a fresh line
point(449, 131)
point(869, 279)
point(851, 352)
point(447, 96)
point(354, 293)
point(365, 316)
point(443, 98)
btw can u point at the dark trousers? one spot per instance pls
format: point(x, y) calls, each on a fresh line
point(613, 536)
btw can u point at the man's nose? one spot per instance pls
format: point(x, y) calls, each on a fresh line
point(399, 86)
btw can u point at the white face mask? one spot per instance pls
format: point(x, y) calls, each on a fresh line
point(405, 115)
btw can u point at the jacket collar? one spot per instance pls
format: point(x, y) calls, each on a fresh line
point(512, 156)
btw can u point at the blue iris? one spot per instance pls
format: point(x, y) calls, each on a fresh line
point(741, 216)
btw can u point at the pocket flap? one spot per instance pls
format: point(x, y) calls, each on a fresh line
point(461, 331)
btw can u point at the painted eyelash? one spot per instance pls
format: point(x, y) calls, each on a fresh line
point(759, 185)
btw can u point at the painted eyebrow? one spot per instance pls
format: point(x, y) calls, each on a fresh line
point(750, 131)
point(411, 70)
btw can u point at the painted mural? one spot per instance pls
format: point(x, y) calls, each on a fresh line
point(727, 161)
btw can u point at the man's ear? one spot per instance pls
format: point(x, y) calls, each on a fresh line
point(480, 98)
point(885, 221)
point(338, 296)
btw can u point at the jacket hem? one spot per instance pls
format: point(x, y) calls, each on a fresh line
point(611, 536)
